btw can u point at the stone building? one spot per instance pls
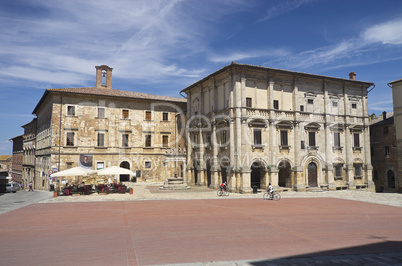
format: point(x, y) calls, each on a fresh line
point(28, 162)
point(251, 125)
point(397, 100)
point(383, 152)
point(98, 127)
point(16, 167)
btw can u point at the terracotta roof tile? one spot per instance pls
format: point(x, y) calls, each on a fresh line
point(118, 93)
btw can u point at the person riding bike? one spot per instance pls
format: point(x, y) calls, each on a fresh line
point(223, 186)
point(270, 190)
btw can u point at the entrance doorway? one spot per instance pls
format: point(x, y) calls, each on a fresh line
point(284, 174)
point(312, 175)
point(126, 165)
point(257, 172)
point(391, 179)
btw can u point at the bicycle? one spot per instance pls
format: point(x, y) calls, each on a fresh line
point(223, 192)
point(274, 196)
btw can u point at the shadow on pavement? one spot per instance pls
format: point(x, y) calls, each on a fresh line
point(358, 255)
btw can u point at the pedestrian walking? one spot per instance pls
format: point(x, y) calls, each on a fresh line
point(30, 187)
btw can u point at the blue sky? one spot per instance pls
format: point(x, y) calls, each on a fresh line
point(161, 47)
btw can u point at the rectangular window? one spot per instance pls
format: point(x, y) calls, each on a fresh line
point(248, 102)
point(101, 139)
point(358, 170)
point(385, 130)
point(223, 137)
point(69, 165)
point(125, 114)
point(310, 101)
point(338, 170)
point(165, 116)
point(335, 104)
point(311, 139)
point(148, 165)
point(301, 108)
point(101, 112)
point(147, 140)
point(276, 104)
point(284, 138)
point(70, 139)
point(356, 140)
point(124, 140)
point(386, 150)
point(99, 165)
point(165, 141)
point(257, 137)
point(354, 106)
point(70, 110)
point(302, 145)
point(148, 115)
point(337, 139)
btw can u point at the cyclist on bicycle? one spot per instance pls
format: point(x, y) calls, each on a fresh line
point(223, 186)
point(270, 190)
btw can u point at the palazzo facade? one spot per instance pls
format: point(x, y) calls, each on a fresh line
point(251, 126)
point(98, 127)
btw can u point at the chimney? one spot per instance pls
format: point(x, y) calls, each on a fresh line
point(352, 75)
point(103, 77)
point(384, 115)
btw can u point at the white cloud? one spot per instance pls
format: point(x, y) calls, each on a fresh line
point(389, 32)
point(282, 7)
point(235, 56)
point(141, 39)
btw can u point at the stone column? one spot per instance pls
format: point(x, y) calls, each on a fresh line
point(350, 176)
point(299, 184)
point(328, 162)
point(201, 168)
point(246, 181)
point(214, 161)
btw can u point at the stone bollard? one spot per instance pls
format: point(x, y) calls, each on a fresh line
point(131, 191)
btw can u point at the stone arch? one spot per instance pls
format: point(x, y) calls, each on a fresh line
point(309, 178)
point(126, 165)
point(390, 179)
point(258, 171)
point(285, 173)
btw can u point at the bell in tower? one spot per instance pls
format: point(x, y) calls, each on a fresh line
point(104, 77)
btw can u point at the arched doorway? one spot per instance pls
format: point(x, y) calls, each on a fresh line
point(312, 175)
point(284, 174)
point(391, 179)
point(257, 173)
point(126, 165)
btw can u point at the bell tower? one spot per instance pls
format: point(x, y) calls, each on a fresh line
point(104, 77)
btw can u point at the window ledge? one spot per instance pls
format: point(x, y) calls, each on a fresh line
point(124, 147)
point(284, 147)
point(72, 147)
point(338, 177)
point(100, 117)
point(258, 146)
point(358, 177)
point(337, 148)
point(100, 147)
point(357, 148)
point(149, 148)
point(312, 147)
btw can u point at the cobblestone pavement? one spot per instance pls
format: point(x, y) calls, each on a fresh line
point(152, 191)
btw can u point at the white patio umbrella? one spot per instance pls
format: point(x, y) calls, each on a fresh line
point(76, 171)
point(115, 170)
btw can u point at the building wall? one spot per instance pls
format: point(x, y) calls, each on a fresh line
point(397, 96)
point(384, 152)
point(54, 153)
point(29, 142)
point(276, 98)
